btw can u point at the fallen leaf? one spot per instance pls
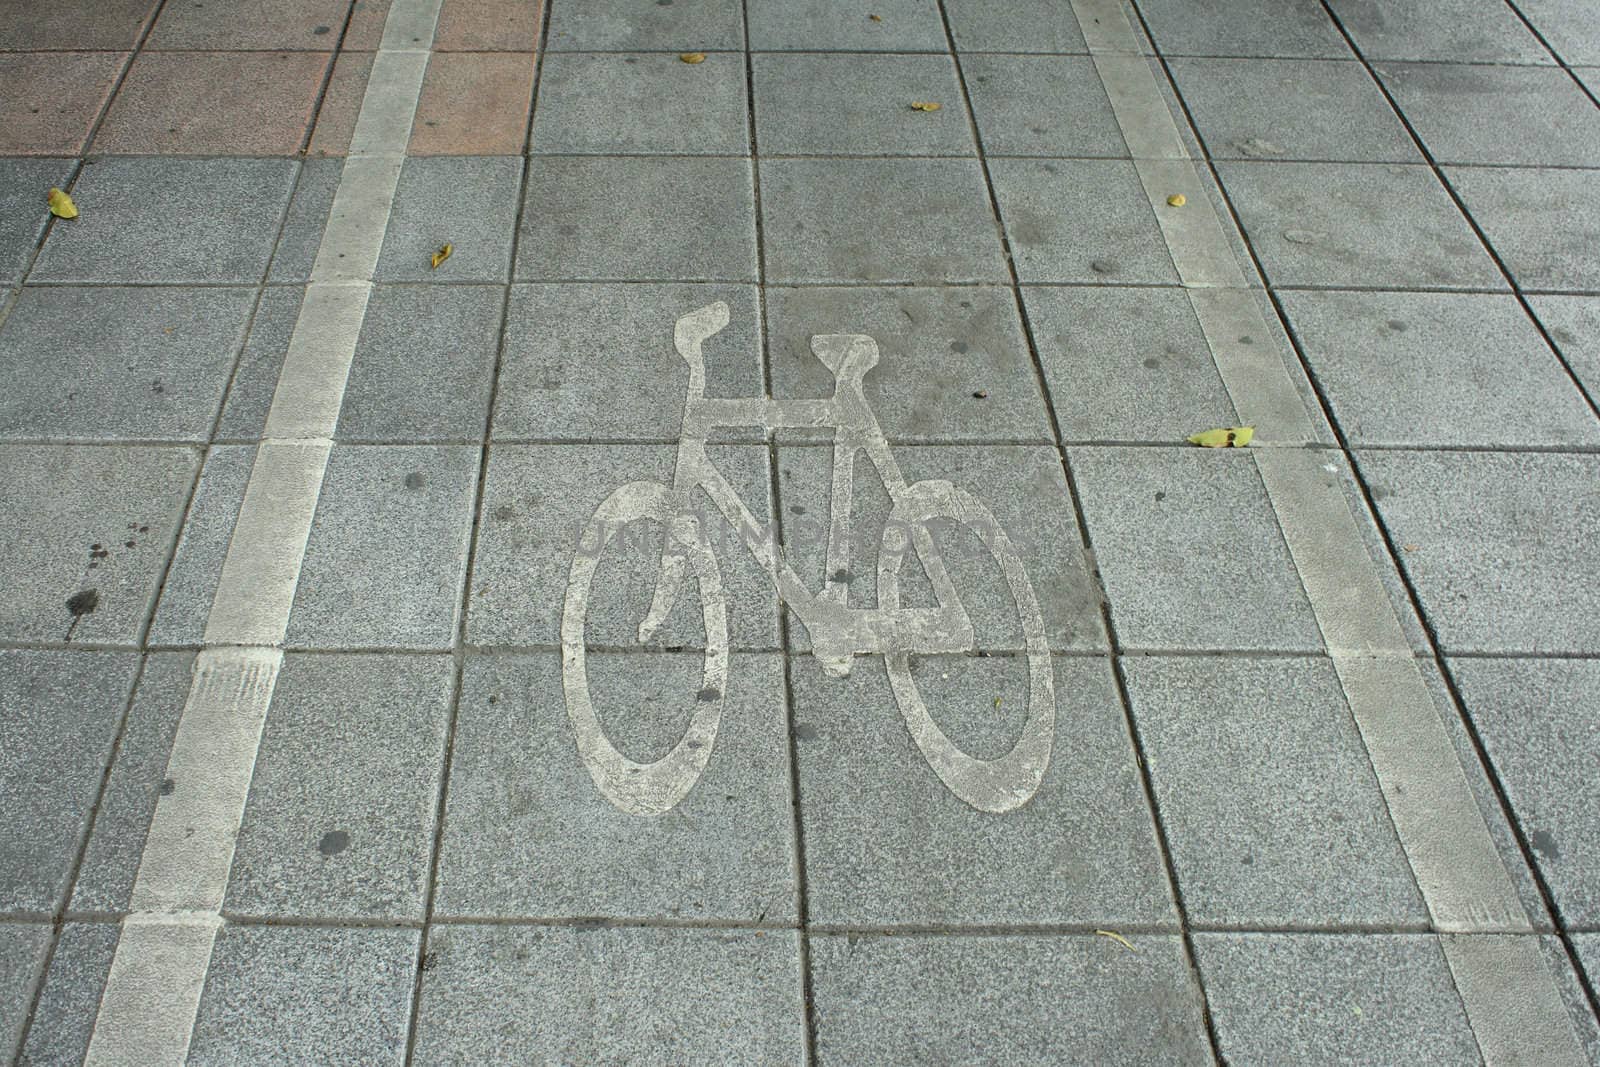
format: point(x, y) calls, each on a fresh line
point(1226, 437)
point(875, 18)
point(693, 57)
point(1177, 200)
point(997, 702)
point(925, 105)
point(1118, 938)
point(61, 205)
point(1412, 548)
point(980, 394)
point(442, 255)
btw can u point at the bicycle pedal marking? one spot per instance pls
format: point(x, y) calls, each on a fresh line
point(838, 631)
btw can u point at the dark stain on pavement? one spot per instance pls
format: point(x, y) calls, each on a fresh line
point(333, 842)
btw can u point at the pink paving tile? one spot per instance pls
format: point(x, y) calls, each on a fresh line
point(49, 100)
point(487, 26)
point(264, 25)
point(336, 121)
point(215, 103)
point(72, 24)
point(473, 104)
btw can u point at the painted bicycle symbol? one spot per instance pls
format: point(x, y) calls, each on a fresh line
point(838, 632)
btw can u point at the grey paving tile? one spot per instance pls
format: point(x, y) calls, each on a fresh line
point(89, 525)
point(1565, 970)
point(170, 220)
point(605, 103)
point(1041, 106)
point(527, 833)
point(468, 202)
point(423, 364)
point(1569, 26)
point(1292, 109)
point(588, 994)
point(1297, 29)
point(1126, 364)
point(854, 104)
point(22, 949)
point(1013, 26)
point(1271, 810)
point(1538, 221)
point(59, 714)
point(244, 411)
point(1588, 946)
point(1010, 999)
point(1533, 116)
point(953, 363)
point(1025, 491)
point(843, 26)
point(883, 835)
point(1357, 224)
point(340, 819)
point(538, 502)
point(23, 211)
point(191, 581)
point(137, 778)
point(306, 995)
point(1320, 998)
point(620, 25)
point(1155, 514)
point(1574, 325)
point(108, 364)
point(586, 221)
point(1590, 76)
point(1465, 31)
point(1535, 718)
point(597, 361)
point(297, 247)
point(1501, 559)
point(903, 220)
point(1080, 221)
point(388, 549)
point(1438, 369)
point(63, 1023)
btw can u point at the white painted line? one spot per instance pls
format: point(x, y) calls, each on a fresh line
point(153, 990)
point(1504, 983)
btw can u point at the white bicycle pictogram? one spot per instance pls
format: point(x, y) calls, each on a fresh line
point(838, 632)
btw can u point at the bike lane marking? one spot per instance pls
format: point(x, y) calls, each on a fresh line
point(152, 993)
point(1511, 999)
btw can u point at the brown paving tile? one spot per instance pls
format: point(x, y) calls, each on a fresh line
point(336, 121)
point(487, 26)
point(215, 103)
point(366, 25)
point(73, 24)
point(473, 104)
point(49, 100)
point(253, 25)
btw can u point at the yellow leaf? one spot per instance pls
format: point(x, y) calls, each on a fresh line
point(442, 255)
point(925, 105)
point(61, 205)
point(1118, 938)
point(1226, 437)
point(1177, 200)
point(693, 57)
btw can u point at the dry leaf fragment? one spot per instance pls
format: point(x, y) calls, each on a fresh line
point(925, 105)
point(1411, 547)
point(1118, 938)
point(875, 18)
point(442, 255)
point(981, 394)
point(1225, 437)
point(1177, 200)
point(61, 205)
point(693, 57)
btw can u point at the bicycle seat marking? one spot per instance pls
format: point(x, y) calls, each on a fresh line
point(838, 632)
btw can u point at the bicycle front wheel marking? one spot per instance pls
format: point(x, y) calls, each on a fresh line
point(644, 788)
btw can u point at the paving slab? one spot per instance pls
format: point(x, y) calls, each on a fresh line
point(1272, 812)
point(1298, 29)
point(487, 26)
point(859, 105)
point(591, 994)
point(335, 121)
point(340, 818)
point(596, 361)
point(230, 210)
point(953, 362)
point(85, 24)
point(1573, 323)
point(843, 26)
point(90, 531)
point(24, 186)
point(586, 222)
point(1126, 364)
point(1438, 370)
point(22, 951)
point(920, 221)
point(1536, 221)
point(244, 411)
point(473, 103)
point(312, 995)
point(469, 203)
point(883, 834)
point(1152, 513)
point(1448, 30)
point(1304, 109)
point(62, 711)
point(1500, 561)
point(528, 835)
point(1012, 26)
point(1080, 221)
point(1530, 116)
point(1568, 25)
point(191, 581)
point(50, 100)
point(63, 1022)
point(312, 25)
point(1333, 998)
point(538, 501)
point(1588, 946)
point(1356, 225)
point(1029, 105)
point(1566, 971)
point(297, 248)
point(641, 102)
point(119, 363)
point(387, 553)
point(621, 25)
point(1005, 999)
